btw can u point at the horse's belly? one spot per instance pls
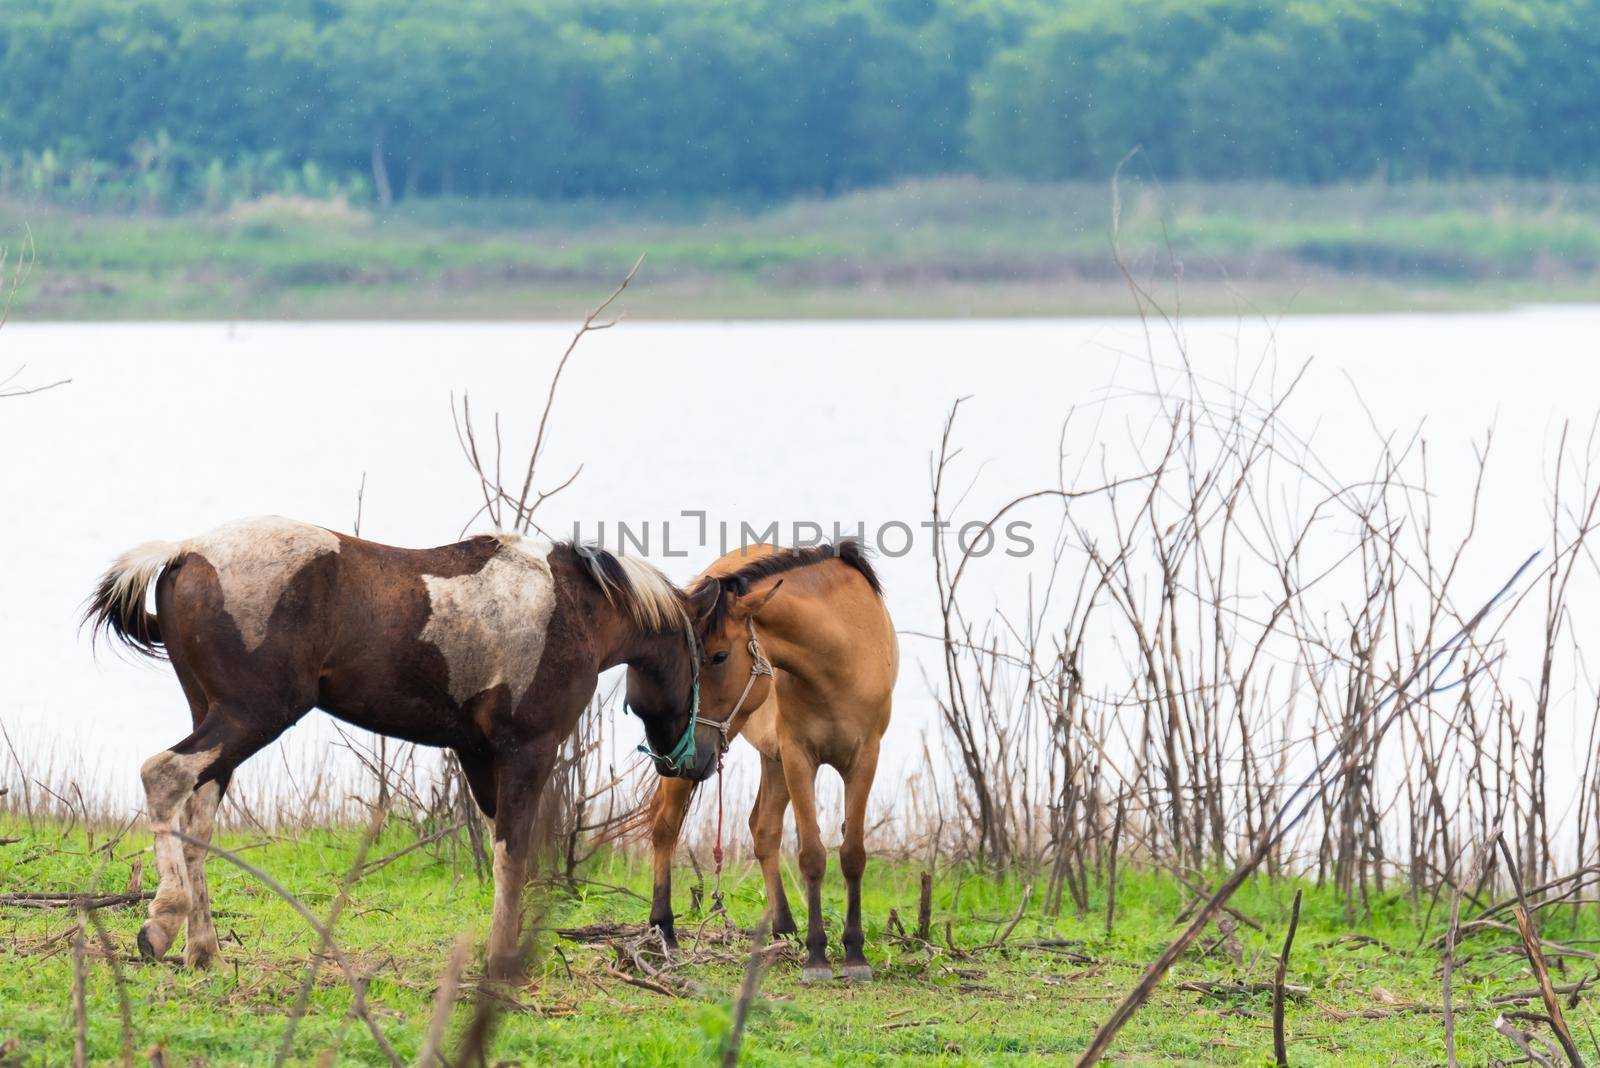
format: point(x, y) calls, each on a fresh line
point(428, 724)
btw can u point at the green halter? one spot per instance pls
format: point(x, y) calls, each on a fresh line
point(682, 755)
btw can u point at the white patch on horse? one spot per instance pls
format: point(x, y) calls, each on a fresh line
point(491, 626)
point(255, 559)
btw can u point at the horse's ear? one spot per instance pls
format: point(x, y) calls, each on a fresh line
point(703, 599)
point(753, 607)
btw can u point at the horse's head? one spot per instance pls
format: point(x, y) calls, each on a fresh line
point(735, 675)
point(677, 740)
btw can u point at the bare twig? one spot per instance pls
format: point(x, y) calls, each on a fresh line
point(754, 968)
point(1530, 943)
point(925, 906)
point(1286, 818)
point(1280, 1045)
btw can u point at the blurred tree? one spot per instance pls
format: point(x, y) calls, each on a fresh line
point(1459, 121)
point(171, 102)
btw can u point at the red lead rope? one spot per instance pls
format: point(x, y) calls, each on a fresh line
point(716, 851)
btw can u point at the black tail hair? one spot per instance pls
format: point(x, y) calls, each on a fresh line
point(116, 610)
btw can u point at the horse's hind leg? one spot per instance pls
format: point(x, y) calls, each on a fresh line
point(766, 831)
point(799, 774)
point(666, 823)
point(169, 780)
point(853, 857)
point(199, 816)
point(226, 738)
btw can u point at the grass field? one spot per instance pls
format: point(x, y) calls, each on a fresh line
point(944, 248)
point(1371, 981)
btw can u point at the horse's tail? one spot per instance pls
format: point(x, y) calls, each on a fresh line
point(117, 608)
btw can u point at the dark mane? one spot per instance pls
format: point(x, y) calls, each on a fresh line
point(712, 595)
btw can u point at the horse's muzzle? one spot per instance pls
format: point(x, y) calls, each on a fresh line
point(700, 769)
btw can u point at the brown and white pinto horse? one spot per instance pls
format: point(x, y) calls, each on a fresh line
point(490, 647)
point(818, 616)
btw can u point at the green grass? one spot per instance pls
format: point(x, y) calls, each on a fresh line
point(949, 247)
point(961, 1006)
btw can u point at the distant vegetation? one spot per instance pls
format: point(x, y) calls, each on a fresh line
point(931, 247)
point(159, 104)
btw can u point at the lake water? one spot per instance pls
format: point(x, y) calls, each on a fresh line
point(169, 429)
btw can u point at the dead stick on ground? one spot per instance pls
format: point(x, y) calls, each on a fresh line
point(1280, 1046)
point(1520, 1040)
point(358, 987)
point(1530, 942)
point(1282, 822)
point(753, 969)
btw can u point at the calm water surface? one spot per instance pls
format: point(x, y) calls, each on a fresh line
point(170, 429)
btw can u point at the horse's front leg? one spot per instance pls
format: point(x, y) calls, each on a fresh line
point(799, 775)
point(766, 832)
point(518, 788)
point(666, 823)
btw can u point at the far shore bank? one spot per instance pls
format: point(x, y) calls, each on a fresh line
point(948, 248)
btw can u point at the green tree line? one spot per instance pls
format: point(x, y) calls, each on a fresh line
point(178, 101)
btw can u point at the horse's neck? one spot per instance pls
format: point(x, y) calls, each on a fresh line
point(622, 641)
point(795, 632)
point(615, 637)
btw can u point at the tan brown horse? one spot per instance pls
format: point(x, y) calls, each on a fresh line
point(818, 616)
point(491, 647)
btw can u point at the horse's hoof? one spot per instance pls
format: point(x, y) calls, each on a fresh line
point(198, 957)
point(861, 973)
point(817, 973)
point(150, 948)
